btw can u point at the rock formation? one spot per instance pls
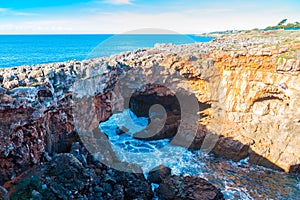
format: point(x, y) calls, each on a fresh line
point(67, 177)
point(182, 187)
point(247, 87)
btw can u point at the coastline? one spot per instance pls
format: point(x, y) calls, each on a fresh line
point(18, 50)
point(255, 78)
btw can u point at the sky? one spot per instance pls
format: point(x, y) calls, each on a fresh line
point(119, 16)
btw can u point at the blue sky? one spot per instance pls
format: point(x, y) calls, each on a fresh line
point(118, 16)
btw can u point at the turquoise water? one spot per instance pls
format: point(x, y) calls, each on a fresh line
point(17, 50)
point(237, 180)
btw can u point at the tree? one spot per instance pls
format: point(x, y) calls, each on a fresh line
point(283, 25)
point(282, 22)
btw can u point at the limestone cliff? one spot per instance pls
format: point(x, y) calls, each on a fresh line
point(261, 99)
point(248, 88)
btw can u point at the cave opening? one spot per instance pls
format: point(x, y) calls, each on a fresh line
point(169, 110)
point(147, 130)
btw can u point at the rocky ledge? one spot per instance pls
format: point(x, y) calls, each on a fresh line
point(247, 87)
point(182, 187)
point(77, 176)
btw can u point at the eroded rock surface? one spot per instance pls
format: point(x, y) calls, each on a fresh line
point(248, 88)
point(158, 174)
point(180, 187)
point(65, 177)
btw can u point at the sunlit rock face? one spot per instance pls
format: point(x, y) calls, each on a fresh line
point(247, 89)
point(261, 101)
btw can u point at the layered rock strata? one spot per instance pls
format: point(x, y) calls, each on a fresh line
point(247, 87)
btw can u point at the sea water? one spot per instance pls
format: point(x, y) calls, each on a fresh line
point(17, 50)
point(237, 180)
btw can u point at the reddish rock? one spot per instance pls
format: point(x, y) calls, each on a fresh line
point(231, 149)
point(158, 174)
point(194, 188)
point(66, 178)
point(38, 108)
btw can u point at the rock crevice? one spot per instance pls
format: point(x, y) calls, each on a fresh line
point(251, 86)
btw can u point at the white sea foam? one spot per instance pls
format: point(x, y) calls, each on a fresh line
point(237, 180)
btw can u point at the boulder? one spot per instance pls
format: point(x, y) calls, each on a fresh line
point(188, 187)
point(64, 177)
point(231, 149)
point(158, 174)
point(78, 151)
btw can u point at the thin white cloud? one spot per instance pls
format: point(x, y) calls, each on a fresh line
point(2, 10)
point(125, 21)
point(118, 2)
point(6, 11)
point(211, 10)
point(190, 20)
point(37, 26)
point(24, 14)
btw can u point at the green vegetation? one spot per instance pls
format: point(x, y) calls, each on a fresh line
point(233, 46)
point(282, 22)
point(286, 56)
point(283, 25)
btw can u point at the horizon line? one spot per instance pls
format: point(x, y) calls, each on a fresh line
point(103, 33)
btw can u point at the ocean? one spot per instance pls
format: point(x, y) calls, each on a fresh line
point(18, 50)
point(237, 180)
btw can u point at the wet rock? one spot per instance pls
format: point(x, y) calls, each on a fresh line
point(161, 127)
point(135, 186)
point(36, 195)
point(121, 130)
point(3, 193)
point(158, 174)
point(199, 138)
point(118, 192)
point(180, 187)
point(66, 178)
point(45, 91)
point(1, 79)
point(23, 92)
point(78, 151)
point(295, 169)
point(47, 157)
point(38, 117)
point(2, 91)
point(231, 149)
